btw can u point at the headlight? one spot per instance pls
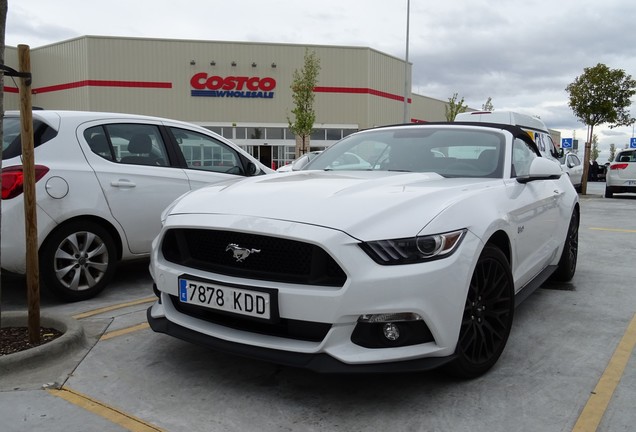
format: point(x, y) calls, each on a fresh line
point(415, 249)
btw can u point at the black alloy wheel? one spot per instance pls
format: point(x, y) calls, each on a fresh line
point(487, 318)
point(567, 262)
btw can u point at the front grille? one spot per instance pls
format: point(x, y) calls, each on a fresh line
point(278, 260)
point(287, 328)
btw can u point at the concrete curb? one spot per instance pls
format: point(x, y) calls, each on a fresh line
point(73, 338)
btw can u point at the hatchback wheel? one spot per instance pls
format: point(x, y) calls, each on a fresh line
point(78, 260)
point(487, 317)
point(608, 193)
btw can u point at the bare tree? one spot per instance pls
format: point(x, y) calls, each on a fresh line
point(3, 21)
point(488, 106)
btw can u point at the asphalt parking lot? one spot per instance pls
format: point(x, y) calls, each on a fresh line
point(568, 365)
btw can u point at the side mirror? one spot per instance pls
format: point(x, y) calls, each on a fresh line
point(251, 169)
point(560, 152)
point(542, 169)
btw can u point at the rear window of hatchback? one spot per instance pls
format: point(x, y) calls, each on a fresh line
point(11, 140)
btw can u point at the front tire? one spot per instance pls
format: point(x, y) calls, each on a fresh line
point(487, 318)
point(78, 260)
point(567, 262)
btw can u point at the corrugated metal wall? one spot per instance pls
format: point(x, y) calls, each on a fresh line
point(361, 86)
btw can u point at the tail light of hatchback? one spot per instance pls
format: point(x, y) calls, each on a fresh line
point(13, 180)
point(618, 166)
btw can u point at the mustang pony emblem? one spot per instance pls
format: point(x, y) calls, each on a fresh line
point(240, 253)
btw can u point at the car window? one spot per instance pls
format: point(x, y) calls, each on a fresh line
point(522, 156)
point(128, 143)
point(626, 156)
point(11, 139)
point(205, 153)
point(450, 153)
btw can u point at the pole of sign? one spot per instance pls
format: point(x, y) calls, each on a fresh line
point(28, 170)
point(406, 64)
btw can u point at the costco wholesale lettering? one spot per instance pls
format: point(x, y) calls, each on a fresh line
point(232, 86)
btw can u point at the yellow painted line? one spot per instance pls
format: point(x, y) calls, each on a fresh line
point(600, 398)
point(115, 307)
point(124, 331)
point(111, 414)
point(614, 230)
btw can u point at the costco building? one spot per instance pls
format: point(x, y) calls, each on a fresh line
point(240, 90)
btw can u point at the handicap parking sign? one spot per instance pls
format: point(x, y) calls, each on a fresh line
point(632, 143)
point(566, 143)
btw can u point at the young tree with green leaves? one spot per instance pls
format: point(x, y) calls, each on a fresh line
point(303, 95)
point(454, 107)
point(612, 154)
point(598, 96)
point(595, 151)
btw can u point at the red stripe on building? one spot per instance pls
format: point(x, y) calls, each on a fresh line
point(102, 83)
point(11, 90)
point(358, 90)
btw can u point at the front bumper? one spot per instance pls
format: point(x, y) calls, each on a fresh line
point(319, 362)
point(436, 291)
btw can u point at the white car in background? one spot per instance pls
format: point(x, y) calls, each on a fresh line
point(299, 162)
point(621, 173)
point(410, 260)
point(103, 180)
point(573, 167)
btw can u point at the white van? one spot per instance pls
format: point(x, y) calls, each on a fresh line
point(537, 130)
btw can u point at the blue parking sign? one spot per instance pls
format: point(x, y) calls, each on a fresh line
point(566, 143)
point(632, 143)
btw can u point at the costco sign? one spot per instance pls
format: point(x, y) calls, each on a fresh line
point(232, 86)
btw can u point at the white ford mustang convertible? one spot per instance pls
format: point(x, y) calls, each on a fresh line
point(412, 260)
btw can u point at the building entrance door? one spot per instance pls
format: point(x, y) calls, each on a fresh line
point(265, 156)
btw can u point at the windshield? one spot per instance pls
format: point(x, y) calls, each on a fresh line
point(450, 152)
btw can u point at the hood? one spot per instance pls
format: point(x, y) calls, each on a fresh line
point(364, 204)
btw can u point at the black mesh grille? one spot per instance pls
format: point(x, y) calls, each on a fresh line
point(271, 259)
point(287, 328)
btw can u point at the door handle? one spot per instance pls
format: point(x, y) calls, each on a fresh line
point(122, 183)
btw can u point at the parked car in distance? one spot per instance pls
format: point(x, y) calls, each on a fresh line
point(102, 181)
point(572, 166)
point(299, 162)
point(621, 173)
point(410, 260)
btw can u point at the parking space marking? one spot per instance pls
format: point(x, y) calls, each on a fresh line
point(127, 421)
point(120, 332)
point(613, 230)
point(114, 307)
point(596, 405)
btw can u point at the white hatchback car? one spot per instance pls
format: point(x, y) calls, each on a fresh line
point(103, 180)
point(572, 166)
point(621, 173)
point(412, 260)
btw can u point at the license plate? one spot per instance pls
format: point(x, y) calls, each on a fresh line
point(252, 303)
point(631, 182)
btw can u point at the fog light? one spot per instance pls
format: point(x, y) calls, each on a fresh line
point(391, 331)
point(390, 317)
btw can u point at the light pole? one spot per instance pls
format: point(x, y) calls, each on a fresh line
point(406, 64)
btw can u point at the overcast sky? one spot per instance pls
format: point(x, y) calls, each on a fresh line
point(522, 54)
